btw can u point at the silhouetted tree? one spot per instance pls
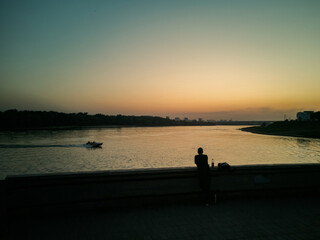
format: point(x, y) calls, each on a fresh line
point(14, 119)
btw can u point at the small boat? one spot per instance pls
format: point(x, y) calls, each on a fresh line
point(93, 144)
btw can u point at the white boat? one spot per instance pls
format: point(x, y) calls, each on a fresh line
point(93, 144)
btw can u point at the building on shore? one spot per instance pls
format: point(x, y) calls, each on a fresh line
point(304, 116)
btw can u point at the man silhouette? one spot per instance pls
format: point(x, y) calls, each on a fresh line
point(201, 160)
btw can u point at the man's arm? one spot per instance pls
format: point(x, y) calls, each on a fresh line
point(207, 159)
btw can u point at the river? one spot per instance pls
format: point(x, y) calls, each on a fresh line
point(33, 152)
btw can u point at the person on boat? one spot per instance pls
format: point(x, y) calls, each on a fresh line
point(201, 160)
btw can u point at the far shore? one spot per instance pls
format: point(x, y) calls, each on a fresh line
point(14, 120)
point(84, 127)
point(288, 129)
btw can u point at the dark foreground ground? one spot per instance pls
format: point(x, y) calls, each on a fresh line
point(281, 218)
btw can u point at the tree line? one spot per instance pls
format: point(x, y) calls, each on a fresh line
point(14, 119)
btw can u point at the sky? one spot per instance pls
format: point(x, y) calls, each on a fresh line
point(239, 60)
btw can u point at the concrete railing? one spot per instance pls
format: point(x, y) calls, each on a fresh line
point(269, 179)
point(113, 188)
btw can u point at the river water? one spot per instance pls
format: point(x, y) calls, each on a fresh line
point(33, 152)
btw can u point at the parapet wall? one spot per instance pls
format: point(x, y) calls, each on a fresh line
point(114, 188)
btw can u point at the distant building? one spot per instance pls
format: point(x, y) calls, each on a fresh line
point(304, 116)
point(177, 119)
point(187, 119)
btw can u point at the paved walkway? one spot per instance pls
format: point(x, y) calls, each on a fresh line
point(272, 219)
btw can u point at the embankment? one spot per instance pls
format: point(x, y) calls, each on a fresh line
point(141, 187)
point(309, 129)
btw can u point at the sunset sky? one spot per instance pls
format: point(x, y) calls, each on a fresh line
point(240, 60)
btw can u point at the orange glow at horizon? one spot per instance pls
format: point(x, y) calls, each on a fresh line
point(158, 58)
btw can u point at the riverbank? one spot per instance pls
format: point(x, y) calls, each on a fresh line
point(116, 188)
point(101, 203)
point(288, 128)
point(13, 120)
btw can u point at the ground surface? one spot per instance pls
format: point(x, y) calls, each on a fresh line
point(283, 218)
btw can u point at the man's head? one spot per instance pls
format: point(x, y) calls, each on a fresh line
point(200, 151)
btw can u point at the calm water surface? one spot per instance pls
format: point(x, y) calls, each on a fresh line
point(146, 147)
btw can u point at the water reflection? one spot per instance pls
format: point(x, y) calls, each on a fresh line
point(302, 142)
point(94, 148)
point(146, 147)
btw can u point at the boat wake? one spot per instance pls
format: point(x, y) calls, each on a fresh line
point(41, 146)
